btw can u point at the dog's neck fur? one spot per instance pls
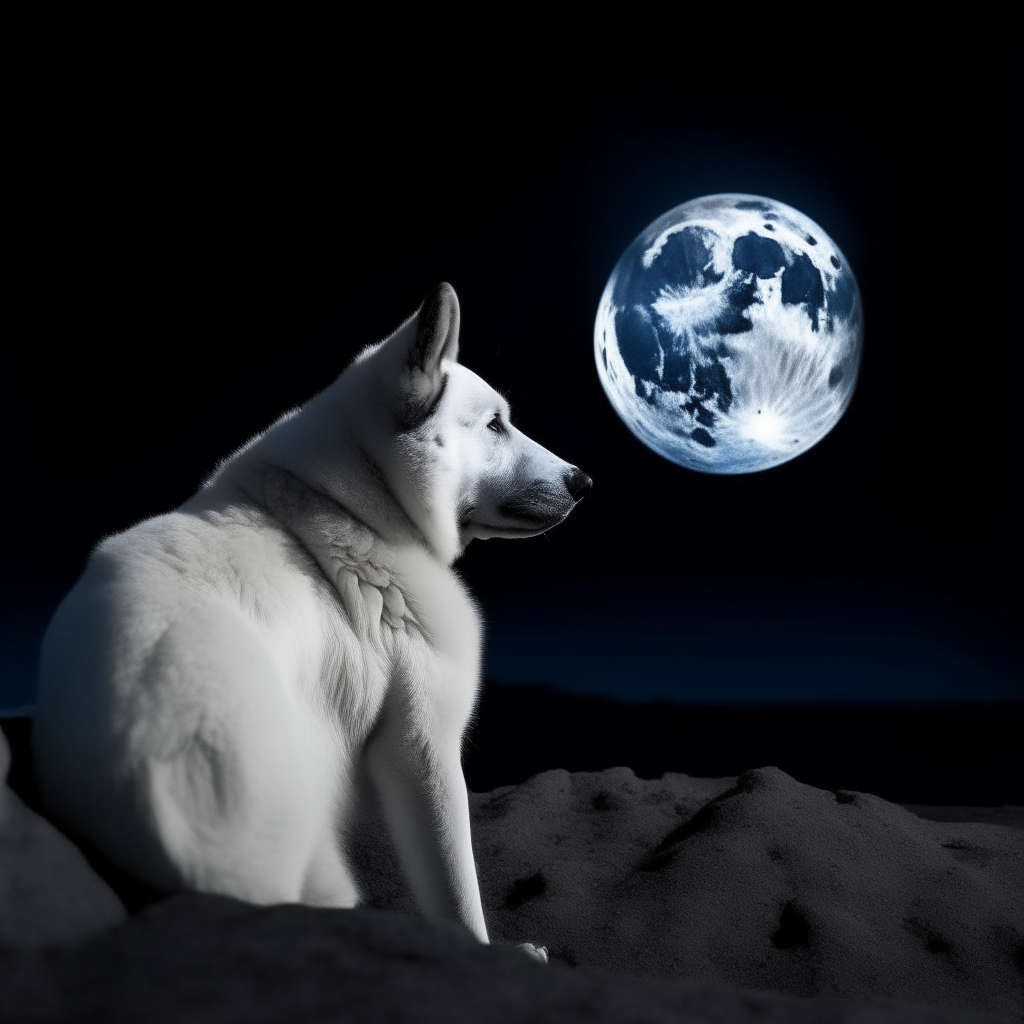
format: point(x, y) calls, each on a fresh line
point(334, 499)
point(342, 546)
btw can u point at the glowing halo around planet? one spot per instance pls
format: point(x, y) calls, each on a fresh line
point(728, 338)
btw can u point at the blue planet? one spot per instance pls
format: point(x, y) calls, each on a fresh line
point(729, 336)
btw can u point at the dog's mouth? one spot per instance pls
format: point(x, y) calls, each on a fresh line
point(539, 506)
point(532, 511)
point(465, 516)
point(514, 519)
point(506, 530)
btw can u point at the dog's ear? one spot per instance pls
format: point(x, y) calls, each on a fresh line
point(437, 330)
point(436, 339)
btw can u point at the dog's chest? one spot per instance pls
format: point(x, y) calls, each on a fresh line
point(350, 616)
point(402, 622)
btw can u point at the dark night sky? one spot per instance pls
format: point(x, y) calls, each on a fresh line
point(206, 236)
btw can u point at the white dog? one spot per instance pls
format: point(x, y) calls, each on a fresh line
point(214, 681)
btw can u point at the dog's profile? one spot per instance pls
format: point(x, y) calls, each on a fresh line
point(213, 682)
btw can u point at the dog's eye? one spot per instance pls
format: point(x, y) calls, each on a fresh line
point(496, 425)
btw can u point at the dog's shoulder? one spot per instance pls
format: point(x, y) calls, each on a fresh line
point(206, 555)
point(440, 602)
point(193, 544)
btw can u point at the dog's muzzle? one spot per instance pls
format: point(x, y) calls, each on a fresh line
point(543, 504)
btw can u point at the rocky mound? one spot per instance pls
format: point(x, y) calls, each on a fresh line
point(758, 881)
point(682, 899)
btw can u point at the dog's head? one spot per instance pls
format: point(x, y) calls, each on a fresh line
point(452, 457)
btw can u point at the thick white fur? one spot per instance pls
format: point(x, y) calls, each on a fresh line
point(214, 681)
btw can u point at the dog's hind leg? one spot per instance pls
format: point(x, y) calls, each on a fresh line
point(328, 881)
point(226, 762)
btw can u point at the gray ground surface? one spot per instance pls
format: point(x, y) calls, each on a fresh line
point(678, 899)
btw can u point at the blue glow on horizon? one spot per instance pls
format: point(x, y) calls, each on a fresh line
point(634, 640)
point(744, 641)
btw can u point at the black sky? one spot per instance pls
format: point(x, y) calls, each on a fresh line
point(206, 233)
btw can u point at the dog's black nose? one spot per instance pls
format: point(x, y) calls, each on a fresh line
point(578, 483)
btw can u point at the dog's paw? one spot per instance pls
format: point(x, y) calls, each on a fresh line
point(539, 953)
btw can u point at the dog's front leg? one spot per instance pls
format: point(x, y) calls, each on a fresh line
point(418, 778)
